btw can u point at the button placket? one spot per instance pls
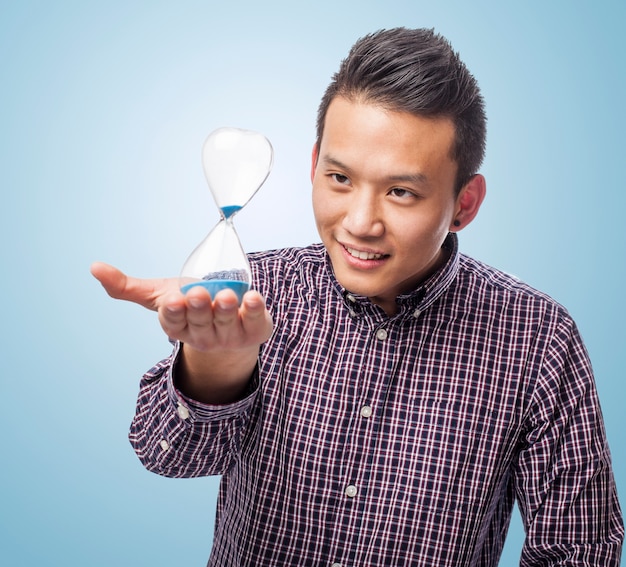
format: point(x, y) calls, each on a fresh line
point(182, 411)
point(382, 334)
point(351, 302)
point(366, 411)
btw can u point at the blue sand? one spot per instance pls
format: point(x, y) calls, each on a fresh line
point(230, 210)
point(214, 286)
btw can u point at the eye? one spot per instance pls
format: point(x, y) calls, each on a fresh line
point(402, 193)
point(339, 178)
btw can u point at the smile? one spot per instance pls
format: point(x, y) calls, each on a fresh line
point(362, 255)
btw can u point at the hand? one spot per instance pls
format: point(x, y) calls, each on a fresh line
point(220, 339)
point(194, 318)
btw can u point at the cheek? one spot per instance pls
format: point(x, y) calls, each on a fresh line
point(422, 231)
point(315, 200)
point(326, 202)
point(320, 207)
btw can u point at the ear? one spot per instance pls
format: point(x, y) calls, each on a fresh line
point(468, 202)
point(314, 156)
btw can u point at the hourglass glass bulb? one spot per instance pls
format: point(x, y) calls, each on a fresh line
point(236, 163)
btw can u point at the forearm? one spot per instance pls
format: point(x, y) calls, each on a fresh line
point(176, 437)
point(215, 378)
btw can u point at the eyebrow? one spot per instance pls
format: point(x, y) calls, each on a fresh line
point(416, 178)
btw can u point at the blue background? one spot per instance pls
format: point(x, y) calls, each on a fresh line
point(103, 110)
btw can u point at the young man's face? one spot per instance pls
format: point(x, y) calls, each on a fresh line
point(383, 197)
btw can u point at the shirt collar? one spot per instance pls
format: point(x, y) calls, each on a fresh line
point(422, 297)
point(430, 290)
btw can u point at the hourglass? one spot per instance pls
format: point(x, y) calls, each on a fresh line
point(236, 163)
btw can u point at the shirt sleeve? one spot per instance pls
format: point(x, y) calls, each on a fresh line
point(564, 481)
point(178, 437)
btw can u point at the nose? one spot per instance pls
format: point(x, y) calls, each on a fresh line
point(363, 217)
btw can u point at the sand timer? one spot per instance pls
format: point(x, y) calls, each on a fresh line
point(236, 163)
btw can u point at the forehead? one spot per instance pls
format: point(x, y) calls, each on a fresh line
point(368, 132)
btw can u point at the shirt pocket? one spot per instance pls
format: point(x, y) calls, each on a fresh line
point(448, 455)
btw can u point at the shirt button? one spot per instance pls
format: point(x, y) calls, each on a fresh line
point(381, 334)
point(417, 313)
point(164, 444)
point(336, 565)
point(351, 491)
point(366, 411)
point(182, 411)
point(351, 298)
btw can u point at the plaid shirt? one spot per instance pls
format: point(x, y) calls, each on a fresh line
point(369, 440)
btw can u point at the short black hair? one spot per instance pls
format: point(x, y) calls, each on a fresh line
point(415, 71)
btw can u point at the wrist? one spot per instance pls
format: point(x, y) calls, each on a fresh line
point(217, 377)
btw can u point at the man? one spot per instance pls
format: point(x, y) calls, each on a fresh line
point(381, 399)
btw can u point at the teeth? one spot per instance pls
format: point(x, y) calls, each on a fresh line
point(363, 255)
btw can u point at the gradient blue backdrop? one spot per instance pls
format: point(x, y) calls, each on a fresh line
point(104, 108)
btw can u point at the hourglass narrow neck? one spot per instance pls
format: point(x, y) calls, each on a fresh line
point(230, 210)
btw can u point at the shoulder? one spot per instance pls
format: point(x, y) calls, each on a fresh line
point(489, 287)
point(487, 278)
point(526, 322)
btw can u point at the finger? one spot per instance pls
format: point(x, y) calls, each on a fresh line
point(199, 307)
point(173, 316)
point(253, 305)
point(211, 324)
point(120, 286)
point(256, 320)
point(112, 279)
point(226, 309)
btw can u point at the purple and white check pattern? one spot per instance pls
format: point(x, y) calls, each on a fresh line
point(367, 440)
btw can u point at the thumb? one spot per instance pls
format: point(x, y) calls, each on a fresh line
point(120, 286)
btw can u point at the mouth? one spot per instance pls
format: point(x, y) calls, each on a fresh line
point(364, 254)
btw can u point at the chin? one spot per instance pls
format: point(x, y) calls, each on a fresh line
point(359, 288)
